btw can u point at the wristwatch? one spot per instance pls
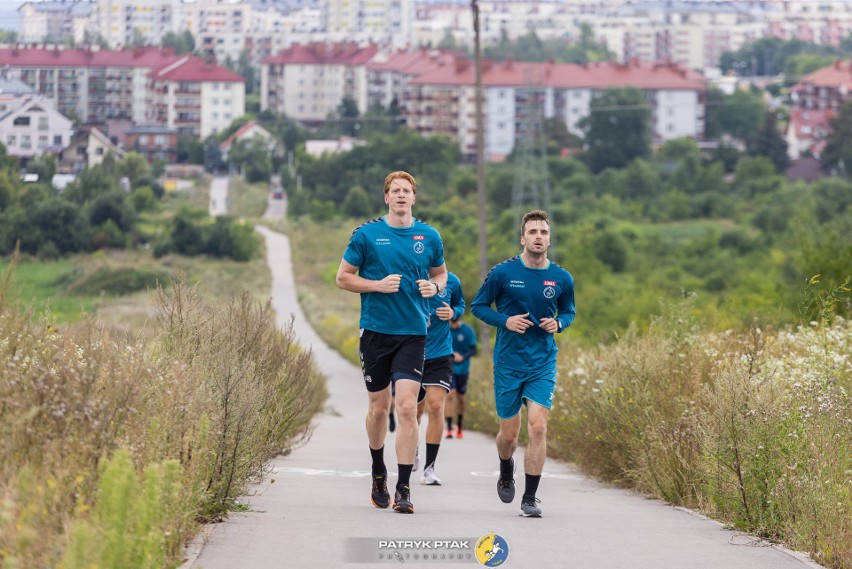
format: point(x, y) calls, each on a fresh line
point(559, 325)
point(437, 287)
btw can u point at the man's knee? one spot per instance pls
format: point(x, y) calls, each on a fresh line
point(537, 429)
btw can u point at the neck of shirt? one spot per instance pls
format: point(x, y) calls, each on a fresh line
point(399, 222)
point(532, 265)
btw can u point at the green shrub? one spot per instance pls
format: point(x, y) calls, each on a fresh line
point(117, 281)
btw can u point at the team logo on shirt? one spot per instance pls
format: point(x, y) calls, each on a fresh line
point(549, 291)
point(419, 247)
point(443, 293)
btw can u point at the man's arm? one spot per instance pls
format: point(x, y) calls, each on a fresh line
point(437, 276)
point(347, 279)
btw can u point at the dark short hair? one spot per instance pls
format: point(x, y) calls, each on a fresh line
point(534, 215)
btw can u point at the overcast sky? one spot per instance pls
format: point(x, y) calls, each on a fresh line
point(9, 14)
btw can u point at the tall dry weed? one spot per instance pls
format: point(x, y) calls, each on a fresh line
point(208, 401)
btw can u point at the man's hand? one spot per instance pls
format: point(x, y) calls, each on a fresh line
point(457, 357)
point(518, 323)
point(549, 325)
point(428, 289)
point(444, 312)
point(389, 284)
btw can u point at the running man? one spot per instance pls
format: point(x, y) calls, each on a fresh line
point(396, 263)
point(464, 348)
point(534, 300)
point(438, 371)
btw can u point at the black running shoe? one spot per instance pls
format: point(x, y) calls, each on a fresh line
point(506, 484)
point(402, 500)
point(379, 494)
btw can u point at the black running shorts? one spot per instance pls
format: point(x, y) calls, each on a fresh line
point(384, 356)
point(438, 371)
point(460, 382)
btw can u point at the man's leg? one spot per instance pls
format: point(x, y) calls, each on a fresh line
point(507, 442)
point(534, 457)
point(377, 417)
point(448, 411)
point(377, 424)
point(435, 396)
point(405, 402)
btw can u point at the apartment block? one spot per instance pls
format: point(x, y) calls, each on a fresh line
point(308, 82)
point(196, 97)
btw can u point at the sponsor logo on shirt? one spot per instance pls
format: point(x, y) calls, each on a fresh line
point(549, 283)
point(382, 241)
point(420, 238)
point(516, 284)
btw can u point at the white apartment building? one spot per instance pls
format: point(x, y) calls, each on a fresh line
point(442, 100)
point(196, 97)
point(308, 82)
point(121, 21)
point(53, 21)
point(382, 22)
point(30, 126)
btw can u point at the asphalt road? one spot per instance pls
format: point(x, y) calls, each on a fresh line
point(314, 509)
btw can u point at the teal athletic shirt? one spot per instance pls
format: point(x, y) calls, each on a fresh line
point(464, 342)
point(379, 250)
point(439, 342)
point(518, 289)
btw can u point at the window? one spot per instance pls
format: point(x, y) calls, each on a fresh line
point(42, 123)
point(99, 151)
point(57, 140)
point(42, 141)
point(26, 143)
point(11, 140)
point(22, 121)
point(143, 140)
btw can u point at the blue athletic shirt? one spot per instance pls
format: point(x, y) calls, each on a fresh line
point(518, 289)
point(379, 250)
point(438, 340)
point(464, 342)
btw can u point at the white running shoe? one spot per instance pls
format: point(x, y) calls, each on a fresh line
point(429, 478)
point(416, 459)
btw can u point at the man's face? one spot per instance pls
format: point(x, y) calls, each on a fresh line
point(400, 197)
point(536, 237)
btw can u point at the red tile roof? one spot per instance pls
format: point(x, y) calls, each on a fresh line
point(412, 62)
point(834, 76)
point(42, 57)
point(193, 70)
point(324, 54)
point(565, 75)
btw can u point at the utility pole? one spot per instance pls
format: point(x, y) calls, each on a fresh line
point(480, 164)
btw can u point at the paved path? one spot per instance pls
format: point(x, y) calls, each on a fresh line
point(219, 196)
point(306, 512)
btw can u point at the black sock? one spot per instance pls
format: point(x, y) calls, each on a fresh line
point(404, 475)
point(460, 421)
point(449, 423)
point(431, 454)
point(378, 461)
point(506, 466)
point(532, 485)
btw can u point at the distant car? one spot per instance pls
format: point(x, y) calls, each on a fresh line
point(278, 194)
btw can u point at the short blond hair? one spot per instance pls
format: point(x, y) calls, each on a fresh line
point(396, 176)
point(535, 215)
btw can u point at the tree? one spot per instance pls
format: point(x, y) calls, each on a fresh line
point(837, 156)
point(347, 112)
point(769, 142)
point(181, 43)
point(617, 128)
point(741, 114)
